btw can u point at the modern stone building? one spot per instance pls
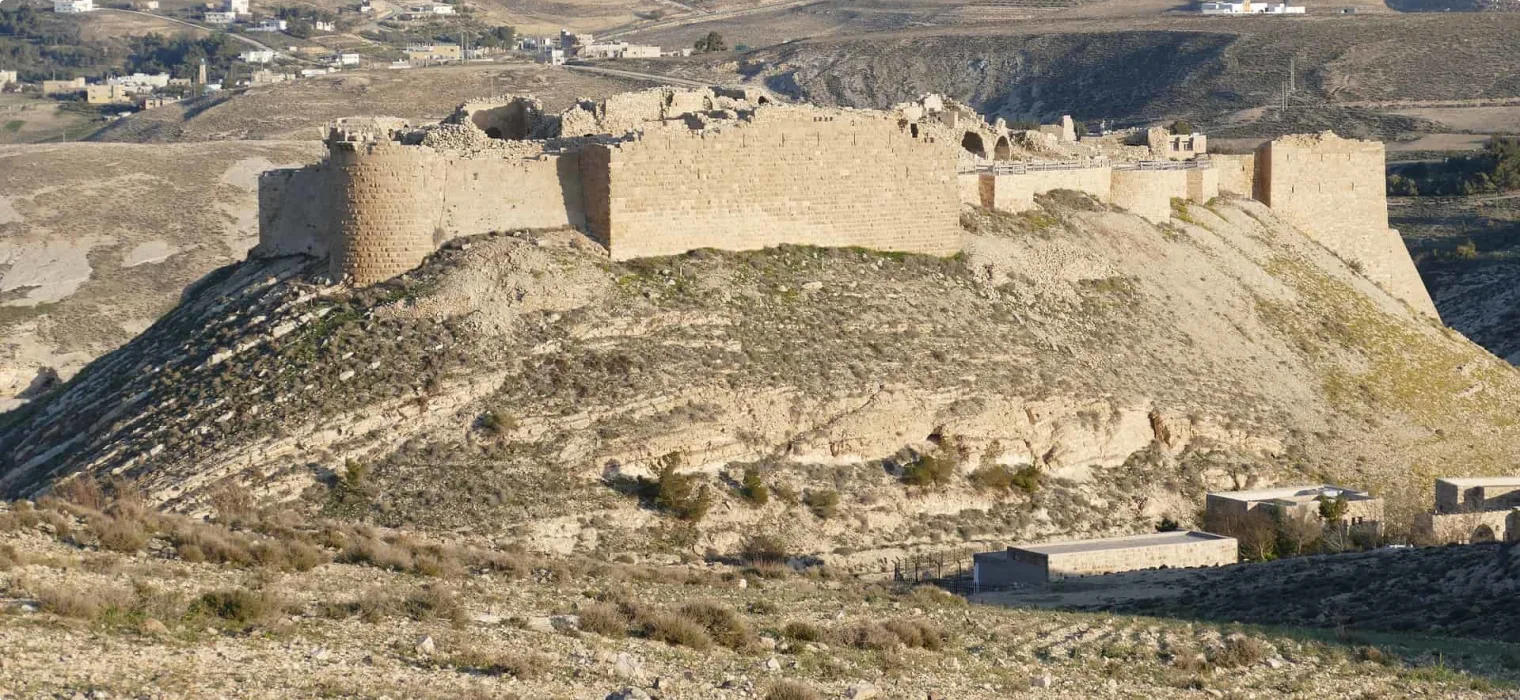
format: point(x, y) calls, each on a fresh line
point(1474, 509)
point(1037, 564)
point(1364, 513)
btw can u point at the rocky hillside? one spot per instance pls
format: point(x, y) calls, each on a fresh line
point(1076, 371)
point(1207, 70)
point(98, 240)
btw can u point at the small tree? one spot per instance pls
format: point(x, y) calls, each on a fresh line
point(710, 43)
point(678, 494)
point(1182, 128)
point(753, 488)
point(1333, 510)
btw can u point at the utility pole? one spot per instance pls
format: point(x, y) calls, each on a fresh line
point(1292, 61)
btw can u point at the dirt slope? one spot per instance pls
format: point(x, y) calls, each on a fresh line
point(98, 240)
point(518, 385)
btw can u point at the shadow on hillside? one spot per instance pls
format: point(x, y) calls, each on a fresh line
point(1434, 607)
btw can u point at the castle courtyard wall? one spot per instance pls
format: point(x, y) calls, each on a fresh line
point(1204, 552)
point(1237, 173)
point(1333, 189)
point(1202, 184)
point(788, 176)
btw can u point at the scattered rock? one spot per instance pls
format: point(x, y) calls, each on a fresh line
point(772, 665)
point(1275, 663)
point(426, 646)
point(627, 666)
point(154, 627)
point(628, 694)
point(861, 691)
point(1042, 681)
point(743, 583)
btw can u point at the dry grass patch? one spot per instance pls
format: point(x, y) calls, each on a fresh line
point(791, 690)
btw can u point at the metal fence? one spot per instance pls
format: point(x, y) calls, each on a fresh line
point(1034, 166)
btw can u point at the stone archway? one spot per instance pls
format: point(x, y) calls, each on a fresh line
point(1483, 533)
point(974, 145)
point(513, 121)
point(1002, 150)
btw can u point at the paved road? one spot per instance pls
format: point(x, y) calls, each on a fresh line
point(238, 37)
point(649, 77)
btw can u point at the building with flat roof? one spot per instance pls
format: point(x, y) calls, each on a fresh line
point(70, 7)
point(1250, 8)
point(1364, 512)
point(1037, 564)
point(1474, 509)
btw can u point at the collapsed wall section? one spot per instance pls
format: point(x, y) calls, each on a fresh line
point(1333, 189)
point(491, 193)
point(787, 176)
point(295, 211)
point(388, 206)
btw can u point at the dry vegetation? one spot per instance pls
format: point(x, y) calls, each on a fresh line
point(502, 623)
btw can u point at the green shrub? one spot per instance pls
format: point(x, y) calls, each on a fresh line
point(929, 470)
point(678, 494)
point(121, 535)
point(496, 422)
point(753, 488)
point(790, 690)
point(674, 630)
point(1239, 651)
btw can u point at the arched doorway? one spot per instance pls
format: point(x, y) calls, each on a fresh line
point(1483, 533)
point(1002, 150)
point(972, 142)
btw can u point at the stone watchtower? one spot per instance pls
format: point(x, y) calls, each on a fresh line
point(386, 209)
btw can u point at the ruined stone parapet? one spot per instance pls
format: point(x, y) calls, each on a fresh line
point(1334, 190)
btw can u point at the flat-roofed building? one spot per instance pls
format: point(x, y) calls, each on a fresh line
point(1036, 564)
point(1474, 509)
point(1364, 512)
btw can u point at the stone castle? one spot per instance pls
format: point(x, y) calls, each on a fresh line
point(665, 171)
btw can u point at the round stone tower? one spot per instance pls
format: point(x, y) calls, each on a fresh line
point(388, 197)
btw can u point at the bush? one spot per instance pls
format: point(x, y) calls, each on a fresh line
point(722, 623)
point(929, 470)
point(603, 619)
point(802, 631)
point(678, 494)
point(762, 548)
point(235, 605)
point(675, 631)
point(753, 489)
point(1467, 250)
point(917, 633)
point(433, 603)
point(1182, 127)
point(824, 504)
point(493, 663)
point(790, 690)
point(1240, 650)
point(495, 422)
point(121, 535)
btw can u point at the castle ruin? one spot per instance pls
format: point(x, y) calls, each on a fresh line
point(665, 171)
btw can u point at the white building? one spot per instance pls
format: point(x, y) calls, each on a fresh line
point(147, 5)
point(270, 25)
point(344, 59)
point(431, 9)
point(7, 77)
point(212, 17)
point(619, 50)
point(553, 57)
point(260, 56)
point(141, 82)
point(315, 72)
point(321, 26)
point(73, 7)
point(1249, 8)
point(238, 7)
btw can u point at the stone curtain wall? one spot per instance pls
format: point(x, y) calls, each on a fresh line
point(1014, 192)
point(388, 200)
point(484, 194)
point(791, 176)
point(1333, 190)
point(1203, 552)
point(1202, 185)
point(1237, 174)
point(295, 211)
point(1149, 193)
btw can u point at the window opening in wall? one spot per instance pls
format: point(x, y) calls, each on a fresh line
point(913, 129)
point(972, 142)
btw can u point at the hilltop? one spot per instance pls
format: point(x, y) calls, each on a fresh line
point(521, 384)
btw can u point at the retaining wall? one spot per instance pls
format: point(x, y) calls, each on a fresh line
point(1237, 174)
